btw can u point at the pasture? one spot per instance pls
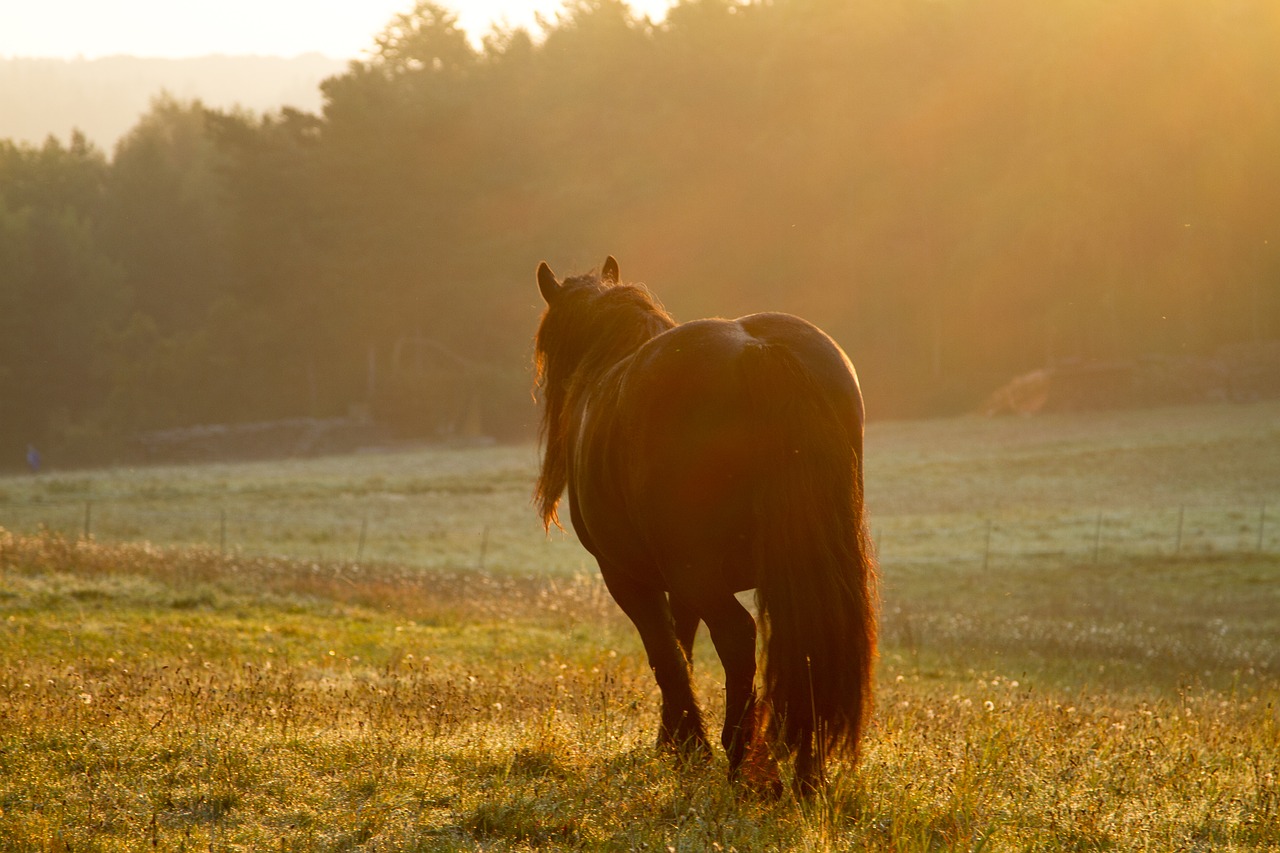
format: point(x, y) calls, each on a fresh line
point(1080, 651)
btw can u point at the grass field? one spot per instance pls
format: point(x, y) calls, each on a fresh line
point(1033, 696)
point(933, 488)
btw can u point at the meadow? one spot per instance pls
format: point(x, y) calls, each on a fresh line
point(1080, 651)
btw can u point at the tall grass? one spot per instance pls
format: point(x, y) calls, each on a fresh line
point(183, 698)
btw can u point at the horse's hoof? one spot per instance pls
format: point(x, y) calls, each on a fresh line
point(764, 789)
point(759, 773)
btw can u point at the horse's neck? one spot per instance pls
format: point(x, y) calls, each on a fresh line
point(615, 345)
point(567, 395)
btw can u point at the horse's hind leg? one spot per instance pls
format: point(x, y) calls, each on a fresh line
point(733, 631)
point(682, 728)
point(686, 624)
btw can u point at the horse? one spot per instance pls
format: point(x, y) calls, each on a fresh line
point(708, 458)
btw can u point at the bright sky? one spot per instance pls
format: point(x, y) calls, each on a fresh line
point(180, 28)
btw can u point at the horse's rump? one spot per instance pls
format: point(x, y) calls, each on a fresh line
point(688, 426)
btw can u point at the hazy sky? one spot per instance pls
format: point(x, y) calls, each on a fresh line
point(177, 28)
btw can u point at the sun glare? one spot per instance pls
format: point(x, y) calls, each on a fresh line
point(182, 28)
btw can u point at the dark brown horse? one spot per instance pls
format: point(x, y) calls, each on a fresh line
point(707, 458)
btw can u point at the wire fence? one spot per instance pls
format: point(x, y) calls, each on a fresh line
point(336, 533)
point(1094, 535)
point(399, 534)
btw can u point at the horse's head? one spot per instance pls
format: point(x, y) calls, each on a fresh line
point(590, 323)
point(552, 288)
point(569, 321)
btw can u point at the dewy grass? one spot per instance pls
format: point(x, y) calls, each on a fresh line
point(181, 700)
point(425, 670)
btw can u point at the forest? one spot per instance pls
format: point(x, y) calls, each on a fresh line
point(958, 191)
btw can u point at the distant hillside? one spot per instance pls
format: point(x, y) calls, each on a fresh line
point(104, 97)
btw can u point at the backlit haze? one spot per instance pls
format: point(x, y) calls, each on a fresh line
point(187, 28)
point(993, 205)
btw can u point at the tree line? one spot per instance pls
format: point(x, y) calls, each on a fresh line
point(958, 191)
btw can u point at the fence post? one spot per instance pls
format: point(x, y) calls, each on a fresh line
point(88, 519)
point(222, 531)
point(1177, 545)
point(1097, 536)
point(1262, 524)
point(986, 548)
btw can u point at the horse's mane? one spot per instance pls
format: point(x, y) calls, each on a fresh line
point(592, 325)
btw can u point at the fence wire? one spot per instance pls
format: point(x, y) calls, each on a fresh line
point(385, 532)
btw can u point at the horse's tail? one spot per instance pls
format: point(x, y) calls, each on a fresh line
point(815, 563)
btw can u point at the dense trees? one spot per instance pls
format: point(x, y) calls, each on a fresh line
point(59, 292)
point(958, 191)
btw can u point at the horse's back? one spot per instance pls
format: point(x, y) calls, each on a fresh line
point(700, 383)
point(695, 414)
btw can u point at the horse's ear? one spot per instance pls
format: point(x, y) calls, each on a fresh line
point(547, 283)
point(609, 272)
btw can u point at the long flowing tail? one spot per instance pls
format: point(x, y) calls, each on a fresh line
point(816, 568)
